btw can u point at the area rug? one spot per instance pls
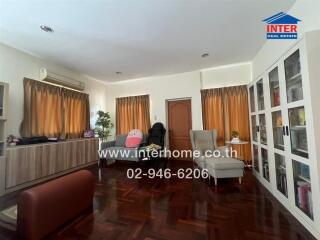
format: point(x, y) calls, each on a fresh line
point(8, 218)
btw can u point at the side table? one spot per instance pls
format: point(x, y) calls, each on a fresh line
point(241, 143)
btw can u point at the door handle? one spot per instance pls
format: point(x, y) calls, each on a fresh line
point(283, 130)
point(287, 130)
point(258, 128)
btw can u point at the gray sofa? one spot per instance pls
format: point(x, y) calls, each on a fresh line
point(218, 167)
point(117, 150)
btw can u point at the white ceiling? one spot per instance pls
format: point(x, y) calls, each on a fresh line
point(138, 37)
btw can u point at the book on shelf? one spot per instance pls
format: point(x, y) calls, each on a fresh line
point(302, 190)
point(266, 170)
point(295, 93)
point(276, 96)
point(310, 205)
point(284, 180)
point(304, 171)
point(282, 185)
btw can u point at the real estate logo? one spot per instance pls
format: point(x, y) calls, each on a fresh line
point(282, 26)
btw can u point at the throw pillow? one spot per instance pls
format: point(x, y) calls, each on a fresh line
point(134, 138)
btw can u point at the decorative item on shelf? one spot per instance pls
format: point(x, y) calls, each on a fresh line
point(302, 117)
point(103, 125)
point(53, 139)
point(235, 137)
point(12, 140)
point(279, 121)
point(88, 134)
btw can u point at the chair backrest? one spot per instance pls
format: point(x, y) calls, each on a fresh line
point(156, 134)
point(203, 136)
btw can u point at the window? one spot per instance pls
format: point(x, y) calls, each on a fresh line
point(53, 111)
point(132, 113)
point(226, 110)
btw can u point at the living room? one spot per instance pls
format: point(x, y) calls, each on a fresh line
point(159, 119)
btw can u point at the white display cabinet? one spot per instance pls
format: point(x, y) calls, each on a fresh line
point(284, 117)
point(4, 87)
point(3, 116)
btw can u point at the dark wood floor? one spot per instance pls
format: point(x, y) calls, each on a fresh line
point(178, 209)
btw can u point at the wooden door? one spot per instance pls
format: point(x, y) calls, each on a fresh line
point(179, 125)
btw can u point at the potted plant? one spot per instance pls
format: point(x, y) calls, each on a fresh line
point(235, 136)
point(103, 125)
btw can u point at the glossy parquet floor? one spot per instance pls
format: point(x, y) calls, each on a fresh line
point(178, 209)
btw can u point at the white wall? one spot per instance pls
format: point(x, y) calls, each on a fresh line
point(225, 76)
point(15, 65)
point(305, 10)
point(184, 85)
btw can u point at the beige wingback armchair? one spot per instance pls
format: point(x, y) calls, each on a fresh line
point(223, 166)
point(203, 140)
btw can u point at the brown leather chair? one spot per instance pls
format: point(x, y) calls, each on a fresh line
point(44, 208)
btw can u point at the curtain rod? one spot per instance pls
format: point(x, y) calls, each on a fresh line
point(134, 96)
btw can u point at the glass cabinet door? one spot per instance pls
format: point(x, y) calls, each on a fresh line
point(252, 99)
point(274, 87)
point(293, 77)
point(281, 174)
point(265, 164)
point(263, 129)
point(302, 188)
point(298, 132)
point(254, 128)
point(256, 158)
point(277, 130)
point(260, 95)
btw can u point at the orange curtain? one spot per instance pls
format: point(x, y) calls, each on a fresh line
point(226, 109)
point(237, 118)
point(132, 113)
point(212, 112)
point(53, 111)
point(76, 113)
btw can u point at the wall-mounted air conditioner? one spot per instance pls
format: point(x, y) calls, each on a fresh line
point(51, 77)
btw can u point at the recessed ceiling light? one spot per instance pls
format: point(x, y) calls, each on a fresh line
point(46, 28)
point(205, 55)
point(118, 73)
